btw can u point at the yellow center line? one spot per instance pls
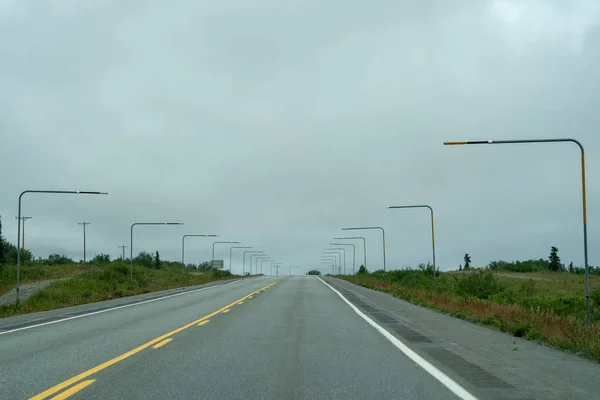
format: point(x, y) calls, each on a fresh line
point(98, 368)
point(161, 344)
point(241, 302)
point(226, 311)
point(206, 321)
point(73, 390)
point(250, 297)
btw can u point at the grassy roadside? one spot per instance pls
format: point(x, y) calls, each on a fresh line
point(37, 272)
point(551, 311)
point(105, 283)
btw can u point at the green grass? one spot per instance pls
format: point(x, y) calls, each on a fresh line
point(550, 310)
point(38, 272)
point(105, 283)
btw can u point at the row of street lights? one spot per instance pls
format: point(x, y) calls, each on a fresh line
point(492, 142)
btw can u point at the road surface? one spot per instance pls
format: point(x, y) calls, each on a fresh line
point(276, 338)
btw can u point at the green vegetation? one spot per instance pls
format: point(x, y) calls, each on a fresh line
point(102, 283)
point(550, 309)
point(314, 272)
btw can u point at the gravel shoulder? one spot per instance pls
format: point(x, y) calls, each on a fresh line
point(26, 291)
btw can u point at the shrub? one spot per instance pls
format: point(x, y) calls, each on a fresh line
point(480, 284)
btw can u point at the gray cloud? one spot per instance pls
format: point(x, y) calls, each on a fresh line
point(277, 123)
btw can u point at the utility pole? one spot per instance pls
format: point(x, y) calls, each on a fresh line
point(84, 224)
point(123, 247)
point(24, 219)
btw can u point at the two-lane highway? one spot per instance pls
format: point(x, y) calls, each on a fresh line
point(276, 338)
point(286, 338)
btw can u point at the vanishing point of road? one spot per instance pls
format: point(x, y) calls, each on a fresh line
point(276, 338)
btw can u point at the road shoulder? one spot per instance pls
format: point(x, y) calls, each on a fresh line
point(489, 363)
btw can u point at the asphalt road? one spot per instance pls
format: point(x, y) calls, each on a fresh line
point(267, 338)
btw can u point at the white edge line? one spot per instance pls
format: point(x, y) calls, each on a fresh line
point(426, 365)
point(116, 308)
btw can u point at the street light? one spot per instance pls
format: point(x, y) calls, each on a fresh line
point(339, 254)
point(183, 250)
point(261, 264)
point(293, 266)
point(19, 224)
point(364, 245)
point(331, 263)
point(372, 227)
point(244, 261)
point(353, 255)
point(131, 243)
point(344, 250)
point(333, 256)
point(212, 263)
point(231, 250)
point(583, 192)
point(432, 237)
point(261, 259)
point(255, 255)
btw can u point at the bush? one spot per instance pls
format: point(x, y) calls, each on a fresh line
point(480, 284)
point(362, 270)
point(314, 272)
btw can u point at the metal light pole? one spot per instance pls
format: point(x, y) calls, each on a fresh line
point(244, 261)
point(19, 225)
point(339, 253)
point(183, 251)
point(333, 256)
point(231, 251)
point(583, 191)
point(432, 237)
point(261, 259)
point(383, 238)
point(364, 245)
point(212, 263)
point(353, 255)
point(262, 263)
point(255, 255)
point(131, 243)
point(344, 251)
point(331, 263)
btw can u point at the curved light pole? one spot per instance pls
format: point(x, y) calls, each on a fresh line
point(432, 237)
point(183, 251)
point(364, 245)
point(262, 263)
point(212, 263)
point(251, 261)
point(131, 243)
point(333, 256)
point(19, 224)
point(583, 192)
point(231, 250)
point(261, 259)
point(344, 251)
point(353, 255)
point(244, 260)
point(339, 253)
point(382, 238)
point(331, 264)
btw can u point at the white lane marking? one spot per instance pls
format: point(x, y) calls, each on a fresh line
point(116, 308)
point(426, 365)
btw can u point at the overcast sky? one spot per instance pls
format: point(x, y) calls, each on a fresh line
point(276, 123)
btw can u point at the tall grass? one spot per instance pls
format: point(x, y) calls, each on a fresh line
point(109, 282)
point(550, 311)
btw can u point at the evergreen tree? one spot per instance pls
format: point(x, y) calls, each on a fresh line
point(157, 260)
point(554, 259)
point(467, 261)
point(2, 247)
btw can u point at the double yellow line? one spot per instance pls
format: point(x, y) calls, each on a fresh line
point(55, 389)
